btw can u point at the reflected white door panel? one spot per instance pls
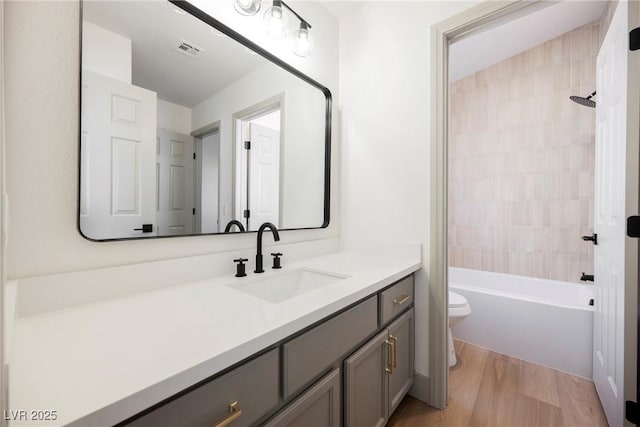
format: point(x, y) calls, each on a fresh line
point(175, 183)
point(264, 176)
point(118, 185)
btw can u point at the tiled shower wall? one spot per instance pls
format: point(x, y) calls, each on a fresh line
point(521, 162)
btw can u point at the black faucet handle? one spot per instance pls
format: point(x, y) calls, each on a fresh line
point(240, 268)
point(276, 260)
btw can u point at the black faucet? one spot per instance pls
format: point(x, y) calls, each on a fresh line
point(276, 237)
point(232, 223)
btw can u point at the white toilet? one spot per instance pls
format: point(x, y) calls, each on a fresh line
point(458, 309)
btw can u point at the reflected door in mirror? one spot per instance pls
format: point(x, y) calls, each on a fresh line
point(118, 183)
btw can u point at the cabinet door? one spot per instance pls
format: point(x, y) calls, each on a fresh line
point(401, 334)
point(366, 384)
point(319, 406)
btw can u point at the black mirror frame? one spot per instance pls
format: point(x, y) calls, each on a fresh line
point(209, 20)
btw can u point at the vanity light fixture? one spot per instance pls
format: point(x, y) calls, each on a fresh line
point(247, 7)
point(276, 20)
point(303, 40)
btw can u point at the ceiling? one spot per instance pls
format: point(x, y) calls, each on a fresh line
point(340, 8)
point(490, 46)
point(156, 30)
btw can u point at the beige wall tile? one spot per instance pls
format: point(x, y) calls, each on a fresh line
point(521, 161)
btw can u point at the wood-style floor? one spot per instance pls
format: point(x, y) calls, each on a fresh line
point(493, 390)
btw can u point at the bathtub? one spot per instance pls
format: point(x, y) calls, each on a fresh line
point(542, 321)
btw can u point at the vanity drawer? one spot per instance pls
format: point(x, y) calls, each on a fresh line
point(209, 405)
point(312, 353)
point(396, 299)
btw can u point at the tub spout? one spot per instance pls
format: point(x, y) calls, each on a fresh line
point(586, 277)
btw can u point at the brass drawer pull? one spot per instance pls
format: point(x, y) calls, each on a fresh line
point(402, 300)
point(395, 350)
point(390, 356)
point(234, 414)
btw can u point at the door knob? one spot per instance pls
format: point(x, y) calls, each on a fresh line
point(593, 238)
point(146, 228)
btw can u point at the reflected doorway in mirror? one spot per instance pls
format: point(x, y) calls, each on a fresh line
point(258, 147)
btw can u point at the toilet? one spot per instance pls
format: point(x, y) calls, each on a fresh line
point(458, 309)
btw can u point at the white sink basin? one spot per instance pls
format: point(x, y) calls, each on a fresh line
point(288, 285)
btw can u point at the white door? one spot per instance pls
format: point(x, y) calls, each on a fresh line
point(264, 176)
point(175, 183)
point(208, 178)
point(118, 187)
point(615, 280)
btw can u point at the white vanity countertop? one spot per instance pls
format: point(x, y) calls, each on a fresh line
point(100, 363)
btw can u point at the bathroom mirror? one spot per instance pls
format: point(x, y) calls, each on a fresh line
point(187, 128)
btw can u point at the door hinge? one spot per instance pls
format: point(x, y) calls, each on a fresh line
point(631, 412)
point(634, 39)
point(247, 213)
point(194, 211)
point(247, 145)
point(194, 156)
point(633, 226)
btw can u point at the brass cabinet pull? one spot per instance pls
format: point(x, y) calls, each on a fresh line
point(395, 350)
point(390, 356)
point(234, 414)
point(402, 300)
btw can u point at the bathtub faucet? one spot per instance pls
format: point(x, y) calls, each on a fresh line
point(586, 277)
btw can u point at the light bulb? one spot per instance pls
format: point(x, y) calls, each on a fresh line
point(247, 7)
point(303, 40)
point(276, 20)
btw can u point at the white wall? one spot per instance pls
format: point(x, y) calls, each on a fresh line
point(174, 117)
point(302, 158)
point(106, 53)
point(385, 114)
point(42, 62)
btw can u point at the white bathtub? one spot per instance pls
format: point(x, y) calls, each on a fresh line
point(543, 321)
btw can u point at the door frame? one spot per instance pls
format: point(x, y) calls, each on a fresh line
point(4, 386)
point(632, 207)
point(239, 118)
point(197, 135)
point(452, 29)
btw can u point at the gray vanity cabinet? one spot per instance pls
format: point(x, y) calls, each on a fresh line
point(379, 374)
point(316, 351)
point(367, 384)
point(401, 333)
point(330, 373)
point(318, 406)
point(232, 399)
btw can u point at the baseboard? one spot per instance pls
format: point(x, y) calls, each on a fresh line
point(420, 389)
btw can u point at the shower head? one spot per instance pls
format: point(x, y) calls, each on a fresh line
point(587, 102)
